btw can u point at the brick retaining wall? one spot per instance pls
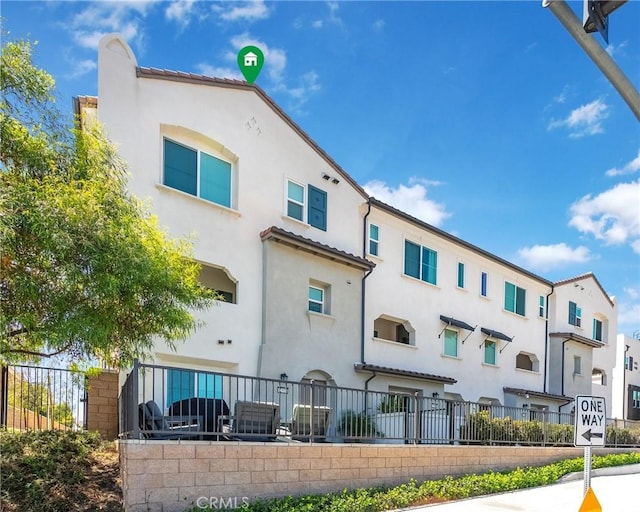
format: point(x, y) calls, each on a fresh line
point(102, 400)
point(170, 476)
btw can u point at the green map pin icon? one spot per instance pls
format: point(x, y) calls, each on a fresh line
point(250, 61)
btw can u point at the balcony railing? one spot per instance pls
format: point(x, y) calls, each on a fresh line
point(162, 402)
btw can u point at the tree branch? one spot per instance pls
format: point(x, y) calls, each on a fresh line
point(38, 354)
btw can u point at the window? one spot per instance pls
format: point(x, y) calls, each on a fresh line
point(541, 306)
point(597, 329)
point(577, 365)
point(316, 213)
point(197, 173)
point(598, 377)
point(295, 200)
point(316, 299)
point(450, 347)
point(219, 280)
point(460, 275)
point(183, 384)
point(393, 329)
point(483, 284)
point(523, 361)
point(575, 314)
point(374, 239)
point(514, 298)
point(420, 262)
point(490, 352)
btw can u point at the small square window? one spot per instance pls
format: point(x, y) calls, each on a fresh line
point(514, 298)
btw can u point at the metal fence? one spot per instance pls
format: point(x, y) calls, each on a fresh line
point(165, 402)
point(40, 398)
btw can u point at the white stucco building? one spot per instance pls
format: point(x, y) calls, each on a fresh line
point(626, 379)
point(320, 280)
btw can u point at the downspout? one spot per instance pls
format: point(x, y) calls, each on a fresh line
point(546, 338)
point(366, 388)
point(363, 286)
point(563, 370)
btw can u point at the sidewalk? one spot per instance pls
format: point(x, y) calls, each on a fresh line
point(616, 489)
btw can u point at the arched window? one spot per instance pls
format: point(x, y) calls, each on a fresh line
point(527, 361)
point(394, 329)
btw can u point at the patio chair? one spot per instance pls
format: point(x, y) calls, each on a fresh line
point(303, 422)
point(214, 411)
point(156, 425)
point(255, 421)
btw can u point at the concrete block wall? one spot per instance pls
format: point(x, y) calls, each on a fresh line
point(171, 476)
point(102, 404)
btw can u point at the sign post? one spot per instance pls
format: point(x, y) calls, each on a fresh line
point(590, 430)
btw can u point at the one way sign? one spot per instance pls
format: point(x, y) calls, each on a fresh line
point(590, 415)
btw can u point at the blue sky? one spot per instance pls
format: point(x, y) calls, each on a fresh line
point(485, 119)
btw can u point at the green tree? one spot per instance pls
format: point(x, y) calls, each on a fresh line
point(85, 269)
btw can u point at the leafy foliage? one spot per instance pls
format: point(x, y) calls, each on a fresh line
point(448, 488)
point(353, 424)
point(85, 269)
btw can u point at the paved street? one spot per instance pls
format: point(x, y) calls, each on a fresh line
point(615, 488)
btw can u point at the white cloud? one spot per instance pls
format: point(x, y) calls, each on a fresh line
point(410, 199)
point(628, 168)
point(81, 67)
point(612, 216)
point(219, 71)
point(628, 317)
point(545, 257)
point(424, 181)
point(317, 24)
point(180, 12)
point(246, 11)
point(613, 49)
point(378, 25)
point(100, 18)
point(584, 120)
point(632, 293)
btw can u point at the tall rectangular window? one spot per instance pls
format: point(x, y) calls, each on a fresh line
point(317, 211)
point(316, 299)
point(295, 200)
point(420, 262)
point(483, 284)
point(490, 352)
point(450, 347)
point(197, 173)
point(541, 306)
point(460, 275)
point(577, 365)
point(374, 239)
point(514, 298)
point(597, 329)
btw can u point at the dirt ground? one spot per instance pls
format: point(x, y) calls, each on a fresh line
point(102, 487)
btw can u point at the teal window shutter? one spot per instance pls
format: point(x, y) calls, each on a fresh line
point(510, 297)
point(209, 385)
point(317, 212)
point(572, 313)
point(180, 167)
point(521, 300)
point(460, 275)
point(490, 352)
point(215, 180)
point(411, 259)
point(450, 343)
point(180, 385)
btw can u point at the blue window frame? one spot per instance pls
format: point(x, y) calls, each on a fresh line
point(460, 275)
point(514, 298)
point(483, 284)
point(420, 262)
point(197, 173)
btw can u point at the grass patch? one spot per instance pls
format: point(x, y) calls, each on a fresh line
point(56, 471)
point(430, 491)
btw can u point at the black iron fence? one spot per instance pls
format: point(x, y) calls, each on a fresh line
point(40, 398)
point(162, 402)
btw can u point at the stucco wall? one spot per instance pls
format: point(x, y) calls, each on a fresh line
point(168, 476)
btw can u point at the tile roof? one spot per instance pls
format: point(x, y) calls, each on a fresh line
point(281, 235)
point(541, 394)
point(582, 277)
point(374, 368)
point(577, 338)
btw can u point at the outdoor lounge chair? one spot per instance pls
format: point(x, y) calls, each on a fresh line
point(158, 426)
point(214, 412)
point(303, 422)
point(255, 421)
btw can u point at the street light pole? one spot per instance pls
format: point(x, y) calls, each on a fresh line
point(601, 58)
